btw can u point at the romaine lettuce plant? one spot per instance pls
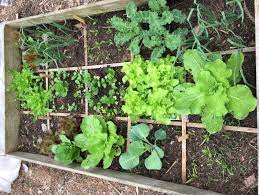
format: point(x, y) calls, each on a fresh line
point(150, 90)
point(148, 28)
point(100, 140)
point(215, 91)
point(139, 145)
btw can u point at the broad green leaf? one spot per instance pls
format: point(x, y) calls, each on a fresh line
point(91, 161)
point(107, 159)
point(215, 56)
point(81, 142)
point(160, 134)
point(153, 162)
point(160, 152)
point(188, 99)
point(205, 82)
point(91, 124)
point(64, 139)
point(212, 123)
point(128, 161)
point(139, 132)
point(193, 61)
point(136, 148)
point(216, 103)
point(235, 64)
point(220, 71)
point(241, 101)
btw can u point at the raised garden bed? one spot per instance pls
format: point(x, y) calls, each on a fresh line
point(220, 162)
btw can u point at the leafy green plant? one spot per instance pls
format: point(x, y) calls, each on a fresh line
point(148, 28)
point(215, 92)
point(66, 152)
point(41, 45)
point(194, 172)
point(29, 90)
point(139, 145)
point(59, 85)
point(150, 91)
point(101, 104)
point(71, 107)
point(100, 140)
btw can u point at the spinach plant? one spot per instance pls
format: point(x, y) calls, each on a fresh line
point(139, 145)
point(28, 88)
point(150, 90)
point(148, 28)
point(215, 91)
point(100, 140)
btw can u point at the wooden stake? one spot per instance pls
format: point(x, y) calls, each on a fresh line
point(47, 88)
point(183, 140)
point(128, 131)
point(86, 64)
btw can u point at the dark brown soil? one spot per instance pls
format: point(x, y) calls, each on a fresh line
point(172, 149)
point(238, 150)
point(101, 46)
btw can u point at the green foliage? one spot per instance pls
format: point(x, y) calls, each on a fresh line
point(139, 145)
point(66, 152)
point(28, 89)
point(215, 92)
point(101, 104)
point(41, 46)
point(59, 85)
point(100, 140)
point(150, 91)
point(156, 37)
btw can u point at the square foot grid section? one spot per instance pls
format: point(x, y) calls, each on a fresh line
point(183, 123)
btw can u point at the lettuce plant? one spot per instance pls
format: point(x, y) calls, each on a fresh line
point(59, 85)
point(140, 145)
point(215, 91)
point(100, 140)
point(150, 90)
point(66, 152)
point(148, 28)
point(29, 90)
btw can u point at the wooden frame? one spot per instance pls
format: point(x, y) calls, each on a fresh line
point(10, 115)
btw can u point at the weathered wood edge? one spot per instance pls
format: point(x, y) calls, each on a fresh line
point(81, 11)
point(115, 176)
point(2, 91)
point(256, 4)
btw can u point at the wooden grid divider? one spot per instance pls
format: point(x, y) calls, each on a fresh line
point(183, 139)
point(47, 87)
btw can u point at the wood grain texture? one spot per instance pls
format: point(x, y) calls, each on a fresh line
point(81, 11)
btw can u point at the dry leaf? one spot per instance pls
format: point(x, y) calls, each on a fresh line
point(250, 182)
